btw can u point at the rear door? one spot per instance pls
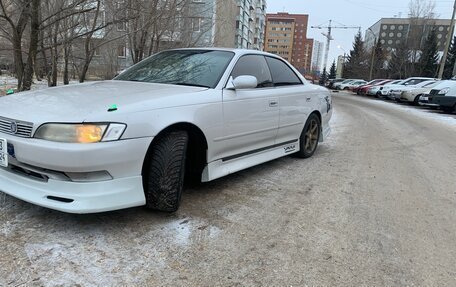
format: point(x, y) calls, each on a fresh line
point(295, 100)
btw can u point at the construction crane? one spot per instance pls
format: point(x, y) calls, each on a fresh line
point(329, 38)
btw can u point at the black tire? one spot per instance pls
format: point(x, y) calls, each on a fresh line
point(416, 101)
point(309, 137)
point(164, 174)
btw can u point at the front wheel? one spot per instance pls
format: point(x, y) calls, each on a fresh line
point(416, 101)
point(164, 174)
point(309, 137)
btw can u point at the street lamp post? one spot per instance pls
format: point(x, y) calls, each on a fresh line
point(373, 54)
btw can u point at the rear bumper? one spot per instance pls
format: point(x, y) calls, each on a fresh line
point(75, 197)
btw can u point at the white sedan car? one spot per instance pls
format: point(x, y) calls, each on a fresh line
point(396, 92)
point(412, 95)
point(189, 114)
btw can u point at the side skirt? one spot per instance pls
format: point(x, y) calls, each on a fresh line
point(223, 167)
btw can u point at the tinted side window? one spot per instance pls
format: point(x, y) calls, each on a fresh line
point(253, 65)
point(282, 75)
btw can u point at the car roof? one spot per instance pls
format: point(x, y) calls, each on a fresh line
point(237, 51)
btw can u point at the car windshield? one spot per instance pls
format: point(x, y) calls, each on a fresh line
point(413, 82)
point(200, 68)
point(429, 84)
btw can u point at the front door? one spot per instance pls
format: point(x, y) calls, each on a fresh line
point(251, 116)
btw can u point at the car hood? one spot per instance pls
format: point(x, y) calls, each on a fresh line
point(76, 103)
point(392, 86)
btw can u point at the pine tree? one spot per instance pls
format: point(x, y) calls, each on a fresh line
point(332, 71)
point(429, 56)
point(323, 77)
point(356, 66)
point(450, 61)
point(379, 61)
point(399, 64)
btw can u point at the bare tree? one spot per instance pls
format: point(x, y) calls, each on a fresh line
point(422, 15)
point(16, 14)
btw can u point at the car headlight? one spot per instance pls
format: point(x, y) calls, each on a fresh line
point(80, 133)
point(444, 91)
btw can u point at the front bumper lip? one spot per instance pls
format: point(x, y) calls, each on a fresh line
point(90, 197)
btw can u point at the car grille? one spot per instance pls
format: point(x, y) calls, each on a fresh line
point(15, 127)
point(434, 92)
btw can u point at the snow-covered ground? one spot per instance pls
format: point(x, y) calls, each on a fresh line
point(426, 113)
point(8, 82)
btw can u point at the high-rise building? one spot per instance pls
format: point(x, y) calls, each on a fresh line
point(317, 55)
point(393, 31)
point(211, 23)
point(250, 24)
point(286, 36)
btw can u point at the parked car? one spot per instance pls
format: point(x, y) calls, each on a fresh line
point(181, 114)
point(362, 90)
point(412, 95)
point(332, 82)
point(351, 85)
point(375, 90)
point(396, 93)
point(370, 83)
point(337, 85)
point(444, 95)
point(385, 92)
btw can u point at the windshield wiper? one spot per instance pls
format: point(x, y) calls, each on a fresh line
point(190, 84)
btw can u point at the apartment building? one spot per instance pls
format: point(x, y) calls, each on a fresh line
point(392, 31)
point(317, 55)
point(286, 36)
point(250, 24)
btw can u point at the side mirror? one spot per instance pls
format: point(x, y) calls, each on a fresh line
point(243, 82)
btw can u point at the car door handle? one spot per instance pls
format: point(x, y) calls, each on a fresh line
point(308, 99)
point(273, 104)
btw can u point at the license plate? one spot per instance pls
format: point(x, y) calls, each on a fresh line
point(3, 153)
point(425, 98)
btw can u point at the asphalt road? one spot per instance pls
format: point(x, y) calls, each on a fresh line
point(375, 206)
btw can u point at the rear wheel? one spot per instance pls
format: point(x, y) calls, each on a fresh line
point(309, 137)
point(164, 174)
point(416, 101)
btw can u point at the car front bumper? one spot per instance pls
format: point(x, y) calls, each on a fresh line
point(444, 101)
point(426, 100)
point(75, 178)
point(75, 197)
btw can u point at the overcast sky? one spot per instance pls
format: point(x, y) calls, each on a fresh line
point(362, 13)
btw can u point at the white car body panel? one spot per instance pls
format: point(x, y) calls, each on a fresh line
point(233, 122)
